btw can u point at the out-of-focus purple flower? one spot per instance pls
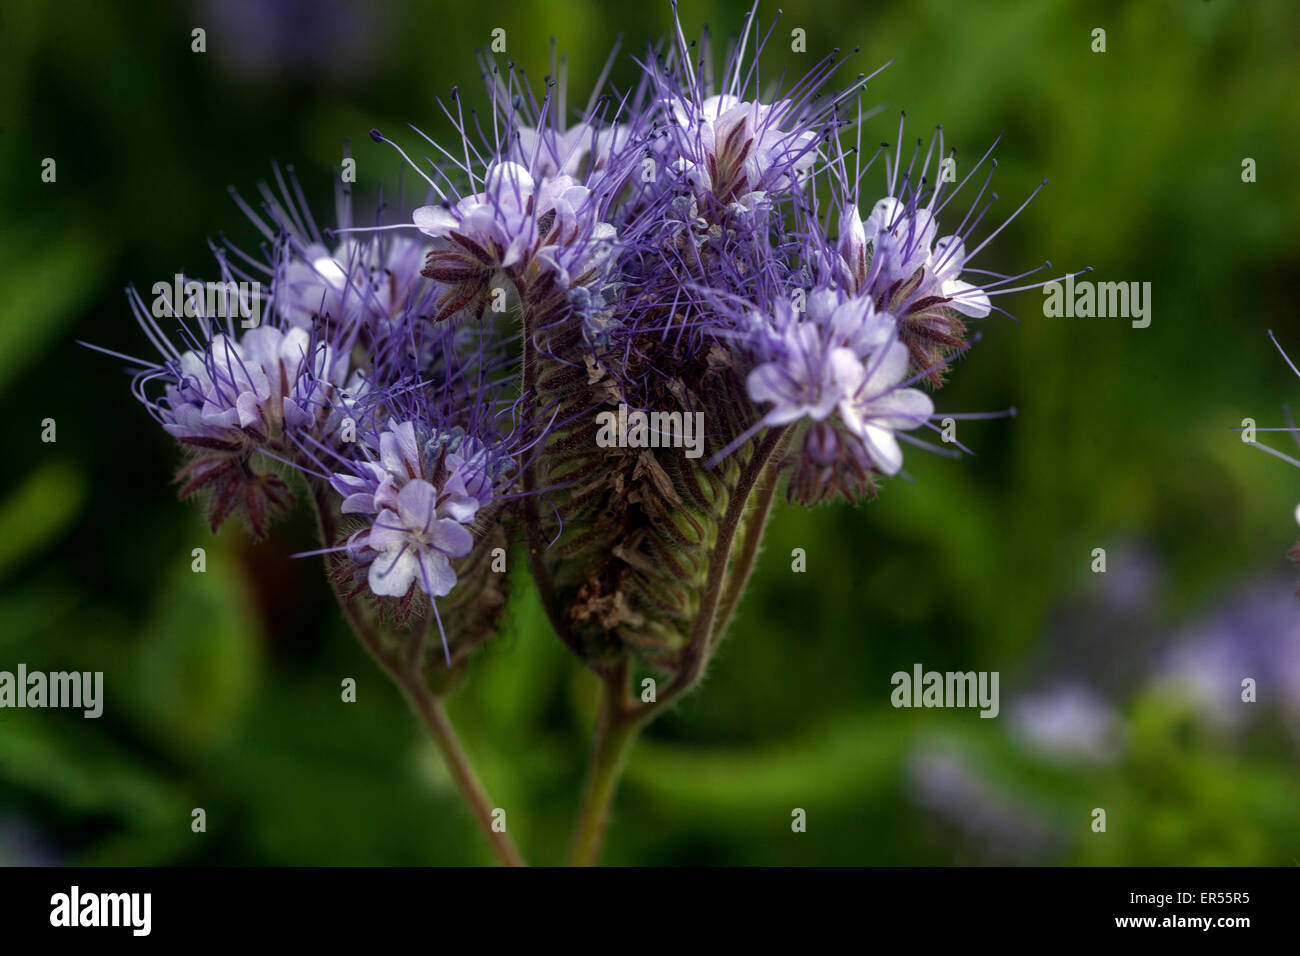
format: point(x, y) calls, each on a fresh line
point(280, 39)
point(1067, 721)
point(1254, 634)
point(981, 823)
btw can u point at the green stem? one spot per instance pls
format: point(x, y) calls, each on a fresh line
point(434, 717)
point(404, 669)
point(615, 732)
point(751, 538)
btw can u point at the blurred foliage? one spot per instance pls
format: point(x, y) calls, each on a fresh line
point(223, 689)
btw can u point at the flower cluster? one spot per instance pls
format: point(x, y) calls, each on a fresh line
point(684, 246)
point(419, 495)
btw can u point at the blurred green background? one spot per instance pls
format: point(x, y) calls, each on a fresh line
point(1118, 690)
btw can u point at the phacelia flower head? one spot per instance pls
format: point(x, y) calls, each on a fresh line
point(696, 248)
point(895, 254)
point(420, 493)
point(736, 152)
point(541, 232)
point(370, 281)
point(738, 147)
point(839, 361)
point(239, 394)
point(267, 366)
point(227, 393)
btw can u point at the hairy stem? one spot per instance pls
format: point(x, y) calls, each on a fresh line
point(434, 717)
point(615, 731)
point(751, 539)
point(404, 669)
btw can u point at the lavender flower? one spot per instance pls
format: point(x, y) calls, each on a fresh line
point(359, 282)
point(840, 358)
point(735, 152)
point(534, 231)
point(237, 394)
point(417, 526)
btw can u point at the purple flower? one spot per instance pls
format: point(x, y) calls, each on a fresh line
point(979, 818)
point(876, 406)
point(413, 541)
point(370, 282)
point(839, 358)
point(736, 152)
point(1067, 721)
point(737, 146)
point(1254, 633)
point(420, 495)
point(533, 230)
point(582, 149)
point(896, 243)
point(651, 250)
point(898, 257)
point(236, 393)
